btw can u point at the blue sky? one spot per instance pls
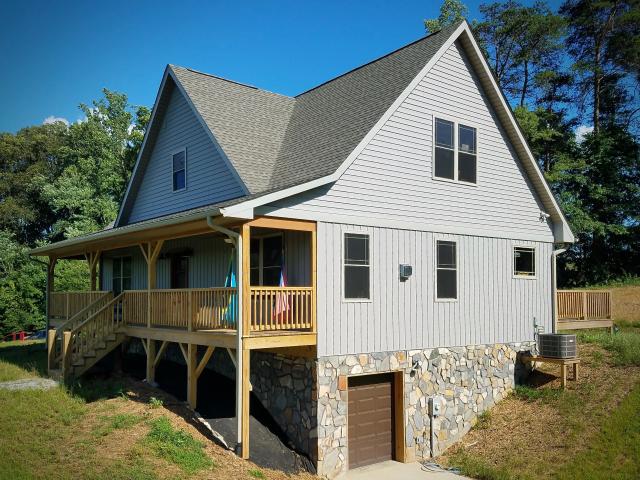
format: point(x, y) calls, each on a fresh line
point(55, 55)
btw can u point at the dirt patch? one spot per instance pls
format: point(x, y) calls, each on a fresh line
point(535, 436)
point(123, 444)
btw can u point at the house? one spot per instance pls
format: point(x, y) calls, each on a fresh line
point(368, 257)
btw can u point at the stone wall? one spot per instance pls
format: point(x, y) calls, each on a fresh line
point(467, 380)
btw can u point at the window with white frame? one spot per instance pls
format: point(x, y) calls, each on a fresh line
point(455, 152)
point(446, 270)
point(357, 267)
point(524, 261)
point(179, 170)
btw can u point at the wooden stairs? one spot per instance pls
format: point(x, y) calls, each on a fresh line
point(85, 339)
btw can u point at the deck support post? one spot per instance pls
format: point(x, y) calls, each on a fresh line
point(66, 356)
point(192, 377)
point(314, 279)
point(246, 392)
point(51, 348)
point(151, 361)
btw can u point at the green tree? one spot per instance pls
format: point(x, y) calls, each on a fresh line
point(22, 287)
point(451, 12)
point(603, 39)
point(523, 44)
point(98, 159)
point(27, 159)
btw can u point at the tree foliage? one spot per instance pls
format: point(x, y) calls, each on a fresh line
point(59, 181)
point(451, 12)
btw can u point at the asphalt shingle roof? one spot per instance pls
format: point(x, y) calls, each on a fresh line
point(275, 141)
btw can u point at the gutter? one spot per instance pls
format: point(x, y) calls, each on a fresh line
point(236, 240)
point(554, 286)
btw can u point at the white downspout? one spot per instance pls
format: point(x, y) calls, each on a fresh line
point(236, 239)
point(554, 286)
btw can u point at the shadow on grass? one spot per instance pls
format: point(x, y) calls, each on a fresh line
point(30, 356)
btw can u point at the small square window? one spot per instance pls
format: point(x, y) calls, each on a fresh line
point(356, 267)
point(524, 261)
point(179, 164)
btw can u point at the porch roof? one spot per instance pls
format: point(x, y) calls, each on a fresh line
point(182, 224)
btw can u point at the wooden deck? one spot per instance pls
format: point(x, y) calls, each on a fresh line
point(583, 309)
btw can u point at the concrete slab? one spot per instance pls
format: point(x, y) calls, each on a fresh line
point(406, 471)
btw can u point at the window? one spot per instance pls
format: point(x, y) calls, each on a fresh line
point(524, 261)
point(445, 153)
point(179, 164)
point(356, 267)
point(121, 278)
point(446, 270)
point(267, 258)
point(466, 154)
point(451, 163)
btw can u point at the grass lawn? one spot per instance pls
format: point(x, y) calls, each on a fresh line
point(589, 431)
point(110, 428)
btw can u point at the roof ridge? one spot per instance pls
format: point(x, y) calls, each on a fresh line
point(252, 87)
point(374, 61)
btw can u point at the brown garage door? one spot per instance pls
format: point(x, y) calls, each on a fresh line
point(370, 419)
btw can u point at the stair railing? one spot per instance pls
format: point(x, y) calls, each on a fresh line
point(84, 338)
point(73, 322)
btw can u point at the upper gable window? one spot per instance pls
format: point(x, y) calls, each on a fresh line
point(179, 167)
point(451, 163)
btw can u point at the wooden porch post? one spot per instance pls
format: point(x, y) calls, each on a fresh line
point(150, 252)
point(51, 268)
point(92, 260)
point(243, 357)
point(246, 392)
point(314, 279)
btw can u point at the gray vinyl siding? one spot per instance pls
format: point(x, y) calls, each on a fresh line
point(209, 179)
point(209, 258)
point(492, 305)
point(392, 178)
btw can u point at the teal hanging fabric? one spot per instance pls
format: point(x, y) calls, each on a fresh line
point(231, 311)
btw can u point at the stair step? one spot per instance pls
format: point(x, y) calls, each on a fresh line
point(78, 363)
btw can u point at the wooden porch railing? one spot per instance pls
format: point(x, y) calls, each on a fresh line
point(281, 308)
point(271, 308)
point(67, 304)
point(584, 304)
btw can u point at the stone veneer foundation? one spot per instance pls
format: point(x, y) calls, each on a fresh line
point(469, 380)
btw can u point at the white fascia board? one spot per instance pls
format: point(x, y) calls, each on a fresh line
point(127, 229)
point(211, 135)
point(564, 234)
point(144, 144)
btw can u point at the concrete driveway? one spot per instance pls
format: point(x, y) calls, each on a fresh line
point(405, 471)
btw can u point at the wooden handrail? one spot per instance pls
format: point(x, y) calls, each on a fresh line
point(68, 303)
point(584, 304)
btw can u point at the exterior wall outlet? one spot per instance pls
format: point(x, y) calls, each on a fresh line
point(405, 271)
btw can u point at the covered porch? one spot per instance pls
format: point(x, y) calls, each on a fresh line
point(248, 304)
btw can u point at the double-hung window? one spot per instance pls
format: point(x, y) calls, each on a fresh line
point(524, 261)
point(179, 170)
point(357, 267)
point(446, 270)
point(455, 152)
point(121, 278)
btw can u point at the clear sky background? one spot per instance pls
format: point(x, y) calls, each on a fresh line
point(55, 55)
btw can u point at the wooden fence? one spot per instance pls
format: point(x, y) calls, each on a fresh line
point(584, 305)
